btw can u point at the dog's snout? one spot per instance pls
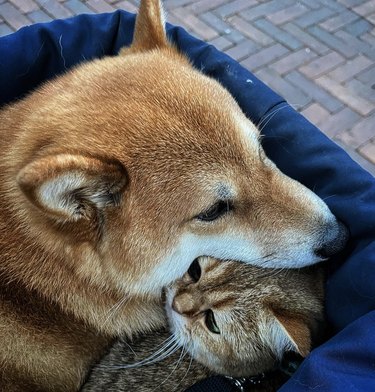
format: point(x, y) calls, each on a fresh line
point(334, 240)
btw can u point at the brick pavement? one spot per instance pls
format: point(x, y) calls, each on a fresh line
point(318, 54)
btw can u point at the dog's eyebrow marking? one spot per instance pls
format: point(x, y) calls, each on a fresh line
point(224, 192)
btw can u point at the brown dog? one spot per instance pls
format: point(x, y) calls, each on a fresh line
point(113, 178)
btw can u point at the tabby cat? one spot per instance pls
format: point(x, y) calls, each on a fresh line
point(234, 319)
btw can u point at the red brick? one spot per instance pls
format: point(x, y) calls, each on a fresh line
point(368, 151)
point(316, 113)
point(350, 68)
point(287, 14)
point(322, 65)
point(362, 106)
point(250, 31)
point(25, 6)
point(293, 60)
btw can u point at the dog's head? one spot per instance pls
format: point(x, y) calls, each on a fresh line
point(139, 163)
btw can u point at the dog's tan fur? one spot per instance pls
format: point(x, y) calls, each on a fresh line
point(102, 174)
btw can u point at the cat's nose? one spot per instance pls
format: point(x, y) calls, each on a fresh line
point(185, 304)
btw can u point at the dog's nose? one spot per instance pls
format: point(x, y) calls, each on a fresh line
point(334, 240)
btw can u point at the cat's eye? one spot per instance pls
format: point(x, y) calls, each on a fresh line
point(218, 209)
point(211, 322)
point(195, 271)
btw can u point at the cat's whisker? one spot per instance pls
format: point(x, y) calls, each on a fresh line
point(180, 359)
point(115, 308)
point(168, 349)
point(152, 359)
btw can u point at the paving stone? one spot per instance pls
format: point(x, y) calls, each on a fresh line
point(339, 122)
point(198, 7)
point(100, 6)
point(365, 8)
point(13, 16)
point(360, 133)
point(221, 43)
point(266, 8)
point(361, 105)
point(250, 31)
point(55, 9)
point(313, 17)
point(310, 41)
point(233, 7)
point(25, 6)
point(243, 50)
point(316, 113)
point(294, 96)
point(293, 61)
point(368, 151)
point(287, 14)
point(358, 28)
point(341, 20)
point(356, 44)
point(363, 90)
point(126, 5)
point(5, 29)
point(278, 34)
point(196, 24)
point(368, 76)
point(77, 7)
point(350, 68)
point(333, 42)
point(39, 16)
point(322, 65)
point(264, 56)
point(314, 91)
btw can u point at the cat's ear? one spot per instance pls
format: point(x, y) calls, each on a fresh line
point(72, 187)
point(287, 333)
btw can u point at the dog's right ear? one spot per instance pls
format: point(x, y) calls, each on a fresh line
point(72, 187)
point(149, 32)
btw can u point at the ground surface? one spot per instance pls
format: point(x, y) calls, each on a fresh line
point(318, 54)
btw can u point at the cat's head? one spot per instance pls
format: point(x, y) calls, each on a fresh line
point(240, 320)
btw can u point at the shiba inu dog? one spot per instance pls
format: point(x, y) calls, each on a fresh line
point(113, 178)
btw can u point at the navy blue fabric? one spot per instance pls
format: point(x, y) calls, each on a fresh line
point(347, 360)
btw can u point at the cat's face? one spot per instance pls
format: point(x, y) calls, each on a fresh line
point(239, 320)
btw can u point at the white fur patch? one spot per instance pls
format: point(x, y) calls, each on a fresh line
point(275, 336)
point(54, 193)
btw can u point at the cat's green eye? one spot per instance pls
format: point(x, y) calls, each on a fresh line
point(194, 271)
point(211, 322)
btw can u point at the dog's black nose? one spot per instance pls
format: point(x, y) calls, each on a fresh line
point(334, 240)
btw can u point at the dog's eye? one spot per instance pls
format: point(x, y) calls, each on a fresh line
point(211, 322)
point(194, 271)
point(214, 212)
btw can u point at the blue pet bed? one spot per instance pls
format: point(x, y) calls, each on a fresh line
point(346, 362)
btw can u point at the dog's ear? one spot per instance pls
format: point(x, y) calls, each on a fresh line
point(287, 333)
point(149, 32)
point(72, 187)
